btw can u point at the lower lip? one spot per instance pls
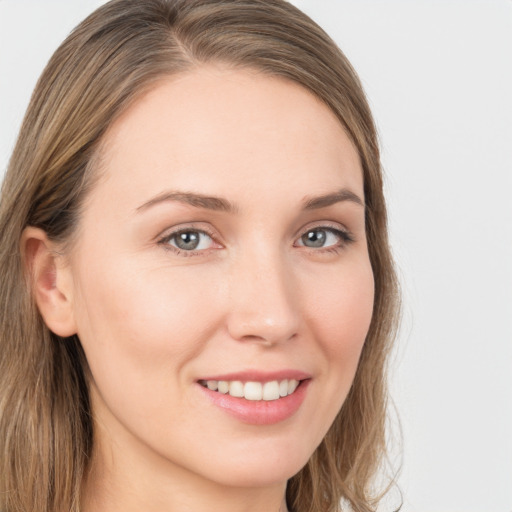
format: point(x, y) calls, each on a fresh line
point(259, 412)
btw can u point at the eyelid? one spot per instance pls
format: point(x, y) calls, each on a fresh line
point(164, 238)
point(346, 237)
point(345, 234)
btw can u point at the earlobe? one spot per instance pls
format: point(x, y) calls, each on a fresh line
point(50, 280)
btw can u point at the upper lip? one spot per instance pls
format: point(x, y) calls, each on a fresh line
point(259, 376)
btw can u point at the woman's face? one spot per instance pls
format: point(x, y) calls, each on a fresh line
point(223, 247)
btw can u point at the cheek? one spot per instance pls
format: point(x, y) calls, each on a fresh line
point(141, 322)
point(343, 311)
point(342, 315)
point(139, 328)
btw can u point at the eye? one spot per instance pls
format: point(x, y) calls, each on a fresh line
point(189, 240)
point(323, 237)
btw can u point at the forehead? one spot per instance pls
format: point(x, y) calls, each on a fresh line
point(216, 130)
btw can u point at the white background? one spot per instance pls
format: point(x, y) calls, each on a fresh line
point(439, 78)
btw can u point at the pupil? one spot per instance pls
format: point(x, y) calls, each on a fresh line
point(314, 238)
point(188, 240)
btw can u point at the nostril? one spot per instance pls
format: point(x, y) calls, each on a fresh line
point(270, 338)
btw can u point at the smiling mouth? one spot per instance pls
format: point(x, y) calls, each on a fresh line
point(272, 390)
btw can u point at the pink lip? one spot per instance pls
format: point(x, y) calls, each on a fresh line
point(259, 376)
point(261, 412)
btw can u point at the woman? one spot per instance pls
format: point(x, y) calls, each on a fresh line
point(195, 201)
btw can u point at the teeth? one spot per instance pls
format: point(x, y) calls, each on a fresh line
point(292, 385)
point(272, 390)
point(283, 388)
point(223, 387)
point(212, 384)
point(253, 391)
point(236, 388)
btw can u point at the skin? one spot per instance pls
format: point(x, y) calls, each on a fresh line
point(153, 321)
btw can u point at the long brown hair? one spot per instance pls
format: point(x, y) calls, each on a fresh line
point(107, 62)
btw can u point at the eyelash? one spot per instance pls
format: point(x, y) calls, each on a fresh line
point(346, 238)
point(164, 241)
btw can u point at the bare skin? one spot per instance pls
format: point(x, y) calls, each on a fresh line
point(269, 274)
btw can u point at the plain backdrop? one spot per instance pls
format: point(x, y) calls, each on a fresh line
point(438, 75)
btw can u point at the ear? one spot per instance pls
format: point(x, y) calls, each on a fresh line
point(51, 281)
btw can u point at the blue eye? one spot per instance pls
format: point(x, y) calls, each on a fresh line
point(189, 240)
point(323, 237)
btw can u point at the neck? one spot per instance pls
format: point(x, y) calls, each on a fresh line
point(128, 481)
point(110, 496)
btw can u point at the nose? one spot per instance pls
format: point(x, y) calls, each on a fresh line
point(263, 300)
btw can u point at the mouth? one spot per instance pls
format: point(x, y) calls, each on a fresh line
point(255, 397)
point(252, 390)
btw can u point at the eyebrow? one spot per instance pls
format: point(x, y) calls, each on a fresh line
point(324, 201)
point(223, 205)
point(193, 199)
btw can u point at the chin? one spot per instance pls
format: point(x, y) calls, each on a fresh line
point(257, 466)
